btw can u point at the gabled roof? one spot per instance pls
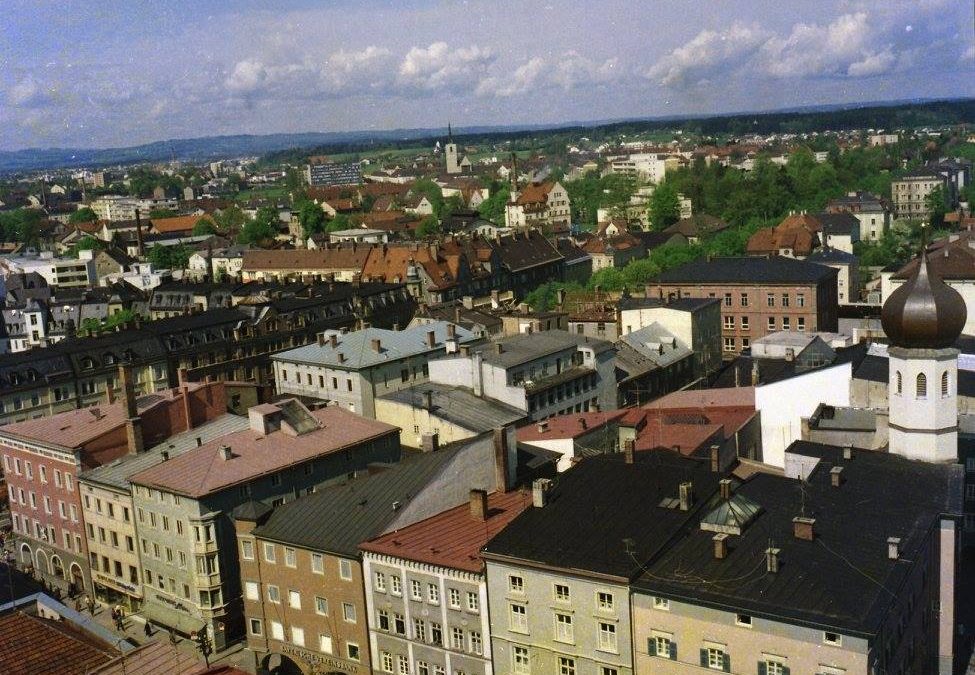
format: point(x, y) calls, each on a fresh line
point(31, 645)
point(177, 224)
point(572, 425)
point(524, 250)
point(698, 225)
point(337, 258)
point(534, 193)
point(453, 538)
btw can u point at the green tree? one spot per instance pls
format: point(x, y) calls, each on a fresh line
point(83, 215)
point(338, 223)
point(429, 227)
point(162, 213)
point(311, 216)
point(262, 227)
point(493, 207)
point(664, 206)
point(175, 257)
point(230, 220)
point(937, 206)
point(204, 225)
point(86, 243)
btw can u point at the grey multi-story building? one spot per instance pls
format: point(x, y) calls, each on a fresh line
point(333, 173)
point(353, 369)
point(558, 577)
point(544, 374)
point(183, 505)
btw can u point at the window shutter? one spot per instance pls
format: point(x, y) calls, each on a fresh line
point(652, 647)
point(785, 670)
point(727, 662)
point(673, 650)
point(704, 658)
point(762, 668)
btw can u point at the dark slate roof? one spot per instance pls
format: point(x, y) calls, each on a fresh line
point(685, 304)
point(748, 270)
point(523, 250)
point(337, 519)
point(776, 370)
point(838, 223)
point(459, 406)
point(828, 255)
point(841, 581)
point(604, 516)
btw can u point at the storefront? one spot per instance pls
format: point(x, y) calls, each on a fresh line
point(114, 591)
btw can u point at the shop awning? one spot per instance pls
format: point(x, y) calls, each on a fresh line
point(160, 615)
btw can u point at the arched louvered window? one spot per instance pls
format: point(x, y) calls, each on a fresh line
point(922, 386)
point(899, 383)
point(944, 384)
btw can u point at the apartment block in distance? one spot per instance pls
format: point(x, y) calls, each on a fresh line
point(333, 173)
point(758, 295)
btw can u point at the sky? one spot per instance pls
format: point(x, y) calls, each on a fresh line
point(76, 73)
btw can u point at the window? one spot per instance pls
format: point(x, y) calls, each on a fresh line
point(345, 569)
point(269, 552)
point(922, 385)
point(608, 670)
point(561, 593)
point(382, 617)
point(402, 665)
point(774, 667)
point(662, 645)
point(419, 630)
point(275, 480)
point(661, 603)
point(399, 624)
point(457, 638)
point(899, 383)
point(607, 636)
point(436, 633)
point(386, 662)
point(800, 300)
point(325, 643)
point(743, 620)
point(277, 630)
point(454, 598)
point(273, 594)
point(415, 591)
point(944, 384)
point(771, 323)
point(786, 323)
point(563, 627)
point(247, 549)
point(294, 599)
point(727, 299)
point(520, 662)
point(605, 601)
point(348, 612)
point(290, 558)
point(255, 627)
point(422, 668)
point(298, 636)
point(352, 651)
point(475, 642)
point(744, 323)
point(380, 582)
point(317, 563)
point(433, 593)
point(321, 605)
point(518, 618)
point(715, 658)
point(832, 639)
point(785, 299)
point(801, 323)
point(770, 300)
point(729, 344)
point(395, 586)
point(567, 666)
point(744, 299)
point(729, 323)
point(473, 601)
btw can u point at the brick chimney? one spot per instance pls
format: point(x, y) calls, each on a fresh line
point(804, 528)
point(377, 345)
point(629, 447)
point(715, 458)
point(133, 425)
point(321, 339)
point(498, 348)
point(724, 485)
point(428, 400)
point(479, 504)
point(540, 489)
point(431, 339)
point(720, 546)
point(502, 463)
point(333, 340)
point(430, 442)
point(451, 331)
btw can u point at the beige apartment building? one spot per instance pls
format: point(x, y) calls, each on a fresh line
point(910, 193)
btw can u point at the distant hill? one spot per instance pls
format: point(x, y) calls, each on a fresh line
point(885, 115)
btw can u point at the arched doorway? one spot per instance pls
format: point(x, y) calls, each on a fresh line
point(77, 576)
point(42, 565)
point(57, 567)
point(279, 664)
point(26, 556)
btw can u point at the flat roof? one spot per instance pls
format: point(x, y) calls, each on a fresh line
point(459, 406)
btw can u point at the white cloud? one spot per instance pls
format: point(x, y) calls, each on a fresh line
point(26, 93)
point(365, 69)
point(815, 50)
point(523, 79)
point(438, 66)
point(247, 77)
point(574, 70)
point(874, 64)
point(708, 53)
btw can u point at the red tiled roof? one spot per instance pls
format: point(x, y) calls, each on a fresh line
point(154, 658)
point(30, 645)
point(454, 537)
point(567, 426)
point(177, 224)
point(203, 471)
point(339, 258)
point(534, 193)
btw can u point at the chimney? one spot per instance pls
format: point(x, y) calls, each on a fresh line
point(467, 302)
point(225, 452)
point(836, 476)
point(428, 399)
point(629, 446)
point(187, 406)
point(430, 442)
point(498, 348)
point(715, 458)
point(540, 488)
point(109, 393)
point(720, 546)
point(686, 495)
point(341, 357)
point(772, 559)
point(333, 340)
point(583, 423)
point(451, 331)
point(321, 339)
point(479, 505)
point(790, 354)
point(893, 548)
point(593, 407)
point(803, 528)
point(848, 452)
point(431, 339)
point(502, 465)
point(133, 425)
point(165, 455)
point(542, 427)
point(755, 376)
point(724, 485)
point(199, 441)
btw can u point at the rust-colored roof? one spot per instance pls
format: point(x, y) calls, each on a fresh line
point(535, 193)
point(154, 658)
point(391, 262)
point(30, 645)
point(797, 232)
point(454, 537)
point(177, 224)
point(952, 258)
point(203, 471)
point(338, 258)
point(340, 204)
point(567, 426)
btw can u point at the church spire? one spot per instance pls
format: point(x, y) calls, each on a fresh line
point(450, 134)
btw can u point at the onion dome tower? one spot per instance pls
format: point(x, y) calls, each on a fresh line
point(922, 319)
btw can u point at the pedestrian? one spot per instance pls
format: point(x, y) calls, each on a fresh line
point(148, 629)
point(77, 605)
point(91, 605)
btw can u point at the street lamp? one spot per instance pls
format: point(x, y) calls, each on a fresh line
point(203, 644)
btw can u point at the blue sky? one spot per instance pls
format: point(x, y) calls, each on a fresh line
point(98, 74)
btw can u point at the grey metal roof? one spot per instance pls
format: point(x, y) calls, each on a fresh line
point(526, 347)
point(116, 474)
point(356, 347)
point(657, 344)
point(337, 519)
point(459, 406)
point(731, 516)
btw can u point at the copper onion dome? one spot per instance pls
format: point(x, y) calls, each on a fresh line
point(924, 312)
